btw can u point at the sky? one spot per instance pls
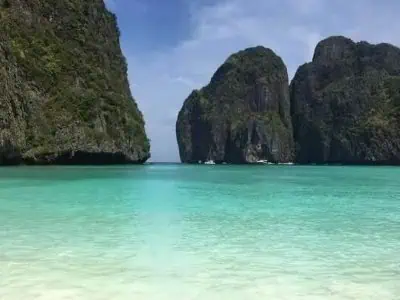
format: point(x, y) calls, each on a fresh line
point(174, 46)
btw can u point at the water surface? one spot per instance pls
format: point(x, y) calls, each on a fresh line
point(200, 232)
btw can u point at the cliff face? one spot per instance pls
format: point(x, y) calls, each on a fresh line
point(346, 104)
point(65, 96)
point(242, 115)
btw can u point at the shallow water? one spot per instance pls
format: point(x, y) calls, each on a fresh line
point(200, 232)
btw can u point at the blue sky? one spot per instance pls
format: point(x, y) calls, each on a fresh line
point(174, 46)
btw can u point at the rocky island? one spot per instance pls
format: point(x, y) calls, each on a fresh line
point(242, 115)
point(346, 104)
point(65, 96)
point(344, 108)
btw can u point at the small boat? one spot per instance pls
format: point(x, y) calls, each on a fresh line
point(209, 162)
point(264, 162)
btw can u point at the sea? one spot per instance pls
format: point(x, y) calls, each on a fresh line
point(171, 231)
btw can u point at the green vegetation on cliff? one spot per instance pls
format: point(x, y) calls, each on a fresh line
point(66, 97)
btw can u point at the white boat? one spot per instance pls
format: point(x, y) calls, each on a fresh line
point(265, 162)
point(209, 162)
point(262, 161)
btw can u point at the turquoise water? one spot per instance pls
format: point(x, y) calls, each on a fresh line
point(200, 232)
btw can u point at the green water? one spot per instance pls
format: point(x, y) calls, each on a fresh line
point(200, 232)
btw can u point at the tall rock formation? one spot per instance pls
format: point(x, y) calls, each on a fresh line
point(346, 104)
point(65, 95)
point(242, 115)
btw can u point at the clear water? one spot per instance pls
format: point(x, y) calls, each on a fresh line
point(200, 232)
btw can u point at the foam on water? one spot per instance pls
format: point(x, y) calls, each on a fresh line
point(200, 232)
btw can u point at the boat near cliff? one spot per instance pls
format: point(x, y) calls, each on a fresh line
point(264, 162)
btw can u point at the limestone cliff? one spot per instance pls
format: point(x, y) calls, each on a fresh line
point(65, 96)
point(346, 104)
point(242, 115)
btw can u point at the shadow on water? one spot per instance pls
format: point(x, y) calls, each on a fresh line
point(25, 176)
point(218, 175)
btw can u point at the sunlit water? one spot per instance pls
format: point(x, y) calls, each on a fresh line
point(200, 232)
